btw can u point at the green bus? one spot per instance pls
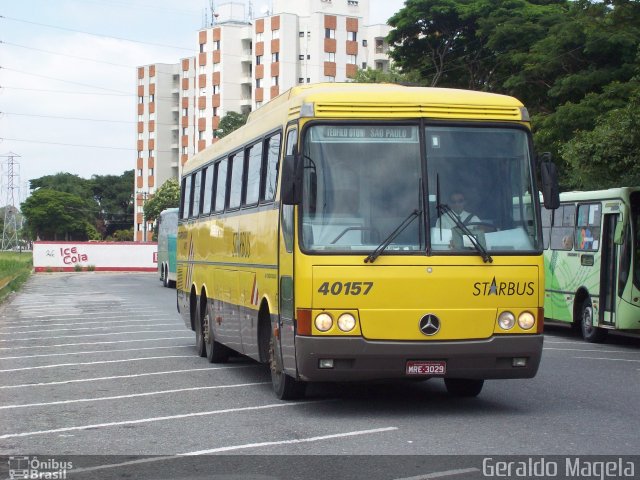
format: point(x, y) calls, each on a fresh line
point(592, 261)
point(167, 231)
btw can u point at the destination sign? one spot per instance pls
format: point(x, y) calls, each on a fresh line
point(364, 134)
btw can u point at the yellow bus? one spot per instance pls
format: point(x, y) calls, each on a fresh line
point(321, 238)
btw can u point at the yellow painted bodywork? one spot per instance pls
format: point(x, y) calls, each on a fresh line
point(405, 288)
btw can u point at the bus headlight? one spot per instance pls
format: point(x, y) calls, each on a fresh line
point(346, 322)
point(324, 322)
point(506, 320)
point(526, 320)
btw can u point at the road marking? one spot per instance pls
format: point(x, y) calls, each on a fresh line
point(85, 328)
point(590, 350)
point(96, 343)
point(288, 442)
point(58, 316)
point(152, 419)
point(144, 461)
point(86, 335)
point(101, 322)
point(133, 395)
point(117, 377)
point(93, 351)
point(611, 359)
point(102, 362)
point(446, 473)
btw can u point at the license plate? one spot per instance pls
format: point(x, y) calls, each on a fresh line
point(432, 367)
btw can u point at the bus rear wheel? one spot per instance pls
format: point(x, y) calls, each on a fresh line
point(284, 386)
point(590, 333)
point(215, 352)
point(464, 387)
point(200, 343)
point(165, 276)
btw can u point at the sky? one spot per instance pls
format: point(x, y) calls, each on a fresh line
point(68, 78)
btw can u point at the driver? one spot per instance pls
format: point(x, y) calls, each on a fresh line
point(456, 203)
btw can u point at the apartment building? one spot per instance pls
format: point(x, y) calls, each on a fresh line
point(240, 63)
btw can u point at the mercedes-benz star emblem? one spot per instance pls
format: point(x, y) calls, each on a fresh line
point(429, 324)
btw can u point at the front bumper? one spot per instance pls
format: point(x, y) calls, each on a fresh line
point(356, 358)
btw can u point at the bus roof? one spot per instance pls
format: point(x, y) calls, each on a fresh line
point(366, 101)
point(619, 192)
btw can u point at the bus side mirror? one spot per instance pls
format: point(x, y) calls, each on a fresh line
point(291, 190)
point(549, 177)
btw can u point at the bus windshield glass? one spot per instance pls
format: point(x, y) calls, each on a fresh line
point(362, 181)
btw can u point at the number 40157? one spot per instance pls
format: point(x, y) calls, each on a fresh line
point(345, 288)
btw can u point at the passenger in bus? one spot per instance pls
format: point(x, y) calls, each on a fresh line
point(456, 203)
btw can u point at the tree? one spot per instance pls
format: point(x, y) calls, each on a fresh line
point(167, 196)
point(230, 122)
point(468, 43)
point(370, 75)
point(609, 154)
point(108, 199)
point(114, 196)
point(55, 215)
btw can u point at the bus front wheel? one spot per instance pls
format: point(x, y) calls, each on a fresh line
point(284, 386)
point(464, 387)
point(590, 333)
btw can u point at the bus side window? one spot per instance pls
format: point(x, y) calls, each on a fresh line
point(221, 185)
point(270, 169)
point(235, 183)
point(186, 194)
point(562, 230)
point(587, 233)
point(208, 187)
point(546, 226)
point(253, 166)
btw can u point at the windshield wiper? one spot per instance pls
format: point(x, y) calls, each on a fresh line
point(387, 241)
point(443, 208)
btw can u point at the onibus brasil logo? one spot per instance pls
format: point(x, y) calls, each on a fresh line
point(27, 467)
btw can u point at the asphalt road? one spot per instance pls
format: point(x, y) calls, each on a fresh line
point(101, 365)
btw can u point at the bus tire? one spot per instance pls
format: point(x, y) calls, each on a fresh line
point(200, 337)
point(590, 333)
point(284, 386)
point(165, 276)
point(214, 351)
point(464, 387)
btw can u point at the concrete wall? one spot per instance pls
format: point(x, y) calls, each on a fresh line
point(107, 256)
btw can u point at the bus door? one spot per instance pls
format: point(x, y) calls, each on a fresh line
point(608, 267)
point(285, 272)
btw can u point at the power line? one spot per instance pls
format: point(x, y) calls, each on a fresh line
point(51, 52)
point(2, 42)
point(77, 118)
point(93, 34)
point(59, 79)
point(78, 145)
point(67, 92)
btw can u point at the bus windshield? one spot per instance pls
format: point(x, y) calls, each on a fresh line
point(361, 181)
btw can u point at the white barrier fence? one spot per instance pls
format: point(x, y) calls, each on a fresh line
point(98, 256)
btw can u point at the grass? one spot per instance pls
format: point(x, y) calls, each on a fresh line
point(15, 269)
